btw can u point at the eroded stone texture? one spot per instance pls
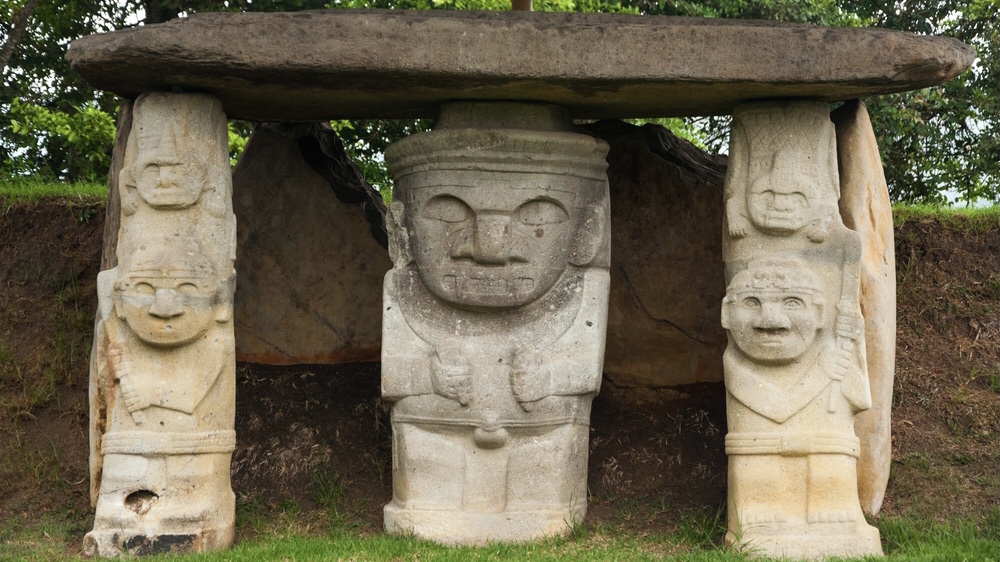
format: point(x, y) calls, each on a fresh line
point(667, 275)
point(866, 209)
point(309, 269)
point(795, 368)
point(277, 66)
point(163, 370)
point(494, 318)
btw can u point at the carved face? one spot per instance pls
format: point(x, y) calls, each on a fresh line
point(165, 182)
point(773, 313)
point(780, 203)
point(164, 304)
point(488, 247)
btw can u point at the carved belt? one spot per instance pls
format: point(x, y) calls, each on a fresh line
point(167, 443)
point(792, 444)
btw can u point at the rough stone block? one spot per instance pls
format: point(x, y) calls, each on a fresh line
point(866, 209)
point(309, 264)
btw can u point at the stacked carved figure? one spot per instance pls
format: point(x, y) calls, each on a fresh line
point(163, 368)
point(795, 367)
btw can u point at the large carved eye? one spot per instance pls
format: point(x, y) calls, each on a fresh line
point(144, 289)
point(793, 303)
point(447, 209)
point(187, 289)
point(751, 302)
point(540, 212)
point(151, 169)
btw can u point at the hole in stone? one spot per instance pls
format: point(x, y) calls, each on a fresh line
point(140, 501)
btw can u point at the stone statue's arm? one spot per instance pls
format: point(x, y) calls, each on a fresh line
point(573, 364)
point(406, 368)
point(736, 185)
point(850, 370)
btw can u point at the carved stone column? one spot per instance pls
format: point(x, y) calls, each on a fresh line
point(163, 369)
point(494, 322)
point(795, 367)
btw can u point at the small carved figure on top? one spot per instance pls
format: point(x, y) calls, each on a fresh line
point(795, 379)
point(176, 154)
point(782, 176)
point(494, 322)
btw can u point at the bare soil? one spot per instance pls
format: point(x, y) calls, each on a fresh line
point(314, 440)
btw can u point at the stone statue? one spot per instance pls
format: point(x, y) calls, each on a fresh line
point(163, 367)
point(494, 322)
point(795, 367)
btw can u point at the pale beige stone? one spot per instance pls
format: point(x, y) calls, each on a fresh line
point(308, 268)
point(494, 318)
point(163, 370)
point(795, 368)
point(866, 209)
point(313, 65)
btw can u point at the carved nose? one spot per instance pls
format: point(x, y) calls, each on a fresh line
point(166, 304)
point(491, 243)
point(771, 318)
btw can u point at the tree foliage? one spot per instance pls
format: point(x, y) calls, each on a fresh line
point(932, 141)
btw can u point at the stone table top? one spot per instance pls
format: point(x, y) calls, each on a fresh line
point(397, 64)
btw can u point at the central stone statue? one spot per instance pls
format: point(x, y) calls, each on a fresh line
point(494, 322)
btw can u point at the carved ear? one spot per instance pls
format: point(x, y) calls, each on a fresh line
point(224, 299)
point(591, 238)
point(399, 235)
point(128, 191)
point(213, 195)
point(106, 291)
point(725, 312)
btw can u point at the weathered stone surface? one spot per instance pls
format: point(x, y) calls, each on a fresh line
point(308, 266)
point(162, 388)
point(352, 63)
point(866, 209)
point(795, 369)
point(667, 274)
point(495, 314)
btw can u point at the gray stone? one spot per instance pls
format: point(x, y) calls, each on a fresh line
point(667, 274)
point(350, 63)
point(309, 268)
point(494, 318)
point(866, 209)
point(163, 372)
point(795, 369)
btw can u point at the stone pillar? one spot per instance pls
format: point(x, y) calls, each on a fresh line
point(163, 369)
point(795, 367)
point(494, 321)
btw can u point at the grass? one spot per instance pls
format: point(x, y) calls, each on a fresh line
point(904, 539)
point(961, 219)
point(26, 190)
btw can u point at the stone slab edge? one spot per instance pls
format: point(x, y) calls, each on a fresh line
point(327, 64)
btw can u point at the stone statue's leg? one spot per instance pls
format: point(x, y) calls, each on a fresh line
point(428, 466)
point(561, 453)
point(163, 388)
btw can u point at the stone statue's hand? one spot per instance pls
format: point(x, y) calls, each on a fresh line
point(841, 360)
point(850, 325)
point(737, 222)
point(451, 376)
point(819, 230)
point(529, 379)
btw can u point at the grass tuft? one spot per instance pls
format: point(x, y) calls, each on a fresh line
point(958, 219)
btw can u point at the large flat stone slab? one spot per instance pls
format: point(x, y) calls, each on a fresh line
point(396, 64)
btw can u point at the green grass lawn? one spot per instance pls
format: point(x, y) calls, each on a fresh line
point(904, 539)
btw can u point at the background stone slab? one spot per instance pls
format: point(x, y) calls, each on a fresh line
point(355, 63)
point(309, 260)
point(866, 209)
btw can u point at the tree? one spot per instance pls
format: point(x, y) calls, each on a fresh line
point(932, 140)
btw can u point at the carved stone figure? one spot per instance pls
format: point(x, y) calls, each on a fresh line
point(163, 366)
point(494, 322)
point(795, 368)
